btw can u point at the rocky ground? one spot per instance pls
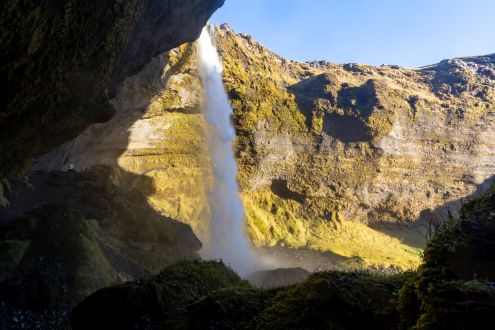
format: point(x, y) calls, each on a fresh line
point(15, 318)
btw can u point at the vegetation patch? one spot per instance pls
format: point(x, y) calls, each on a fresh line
point(272, 220)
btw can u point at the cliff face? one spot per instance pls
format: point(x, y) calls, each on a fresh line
point(337, 158)
point(65, 234)
point(61, 59)
point(320, 144)
point(157, 133)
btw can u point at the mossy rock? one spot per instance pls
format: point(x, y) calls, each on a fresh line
point(454, 286)
point(334, 300)
point(93, 235)
point(160, 299)
point(62, 262)
point(208, 295)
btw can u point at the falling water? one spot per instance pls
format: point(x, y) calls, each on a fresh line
point(228, 239)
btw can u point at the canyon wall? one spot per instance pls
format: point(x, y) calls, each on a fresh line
point(349, 159)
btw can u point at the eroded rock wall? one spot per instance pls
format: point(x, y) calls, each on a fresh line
point(157, 133)
point(331, 157)
point(61, 59)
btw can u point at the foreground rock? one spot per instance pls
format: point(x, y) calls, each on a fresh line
point(91, 235)
point(208, 295)
point(161, 300)
point(453, 289)
point(278, 277)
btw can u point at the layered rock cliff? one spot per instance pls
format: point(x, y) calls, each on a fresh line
point(320, 144)
point(338, 158)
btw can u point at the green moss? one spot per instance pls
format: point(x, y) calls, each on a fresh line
point(458, 251)
point(208, 295)
point(317, 122)
point(272, 220)
point(4, 202)
point(199, 278)
point(12, 253)
point(380, 124)
point(162, 300)
point(258, 93)
point(334, 300)
point(91, 269)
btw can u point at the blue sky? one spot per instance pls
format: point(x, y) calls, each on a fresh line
point(409, 33)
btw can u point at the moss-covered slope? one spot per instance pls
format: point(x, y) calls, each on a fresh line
point(208, 295)
point(453, 289)
point(94, 234)
point(162, 300)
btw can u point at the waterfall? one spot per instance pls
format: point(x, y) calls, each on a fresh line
point(228, 238)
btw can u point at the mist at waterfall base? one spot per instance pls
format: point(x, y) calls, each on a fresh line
point(228, 238)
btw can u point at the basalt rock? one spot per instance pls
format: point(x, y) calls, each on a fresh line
point(61, 59)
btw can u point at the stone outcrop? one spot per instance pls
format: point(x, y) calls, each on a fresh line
point(71, 235)
point(160, 301)
point(62, 59)
point(331, 157)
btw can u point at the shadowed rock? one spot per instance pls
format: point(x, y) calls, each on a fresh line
point(278, 277)
point(59, 60)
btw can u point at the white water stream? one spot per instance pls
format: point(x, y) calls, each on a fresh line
point(228, 238)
